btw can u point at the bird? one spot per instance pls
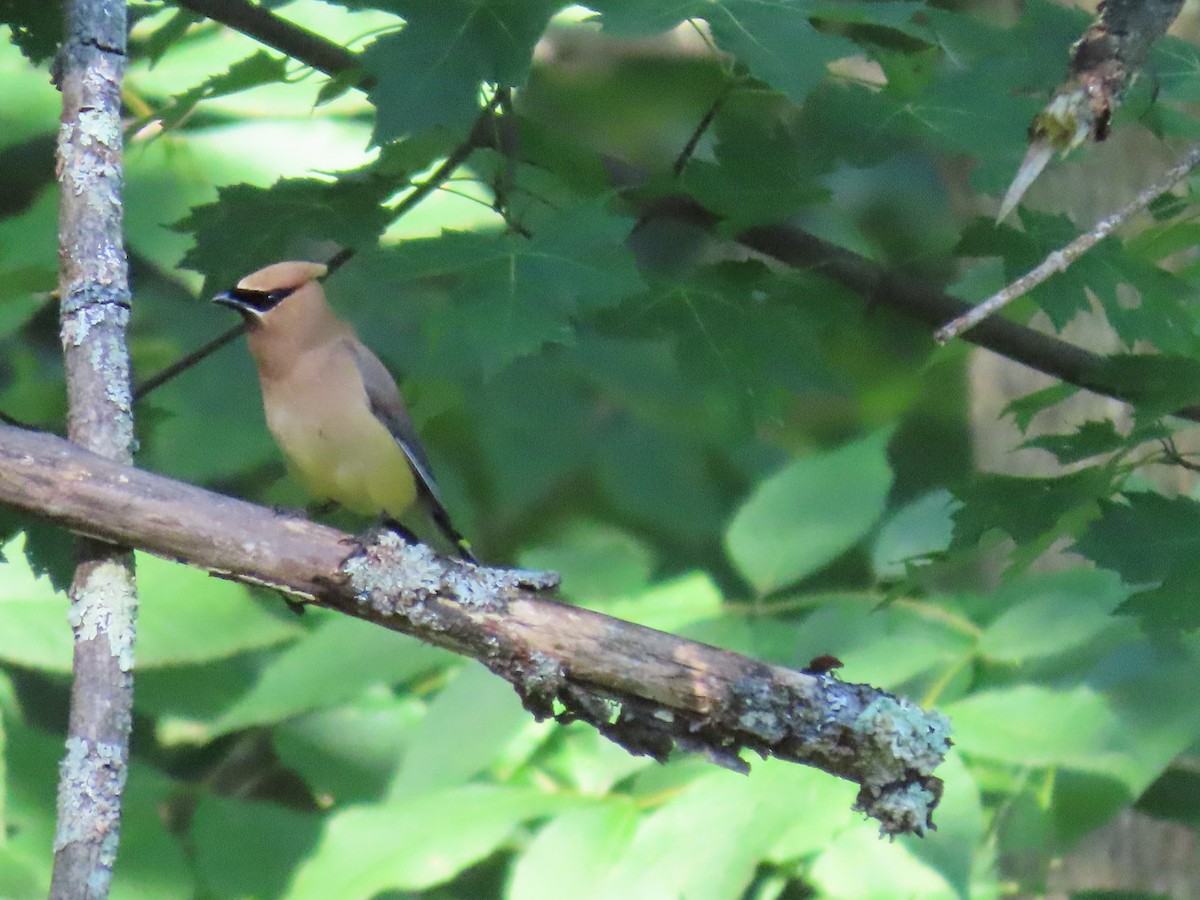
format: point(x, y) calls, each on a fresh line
point(332, 406)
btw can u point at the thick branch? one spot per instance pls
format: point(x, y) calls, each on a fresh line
point(94, 314)
point(919, 301)
point(647, 690)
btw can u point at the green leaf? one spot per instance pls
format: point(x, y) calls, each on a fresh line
point(886, 646)
point(429, 73)
point(180, 697)
point(349, 753)
point(153, 862)
point(823, 808)
point(221, 831)
point(253, 71)
point(530, 472)
point(464, 730)
point(36, 633)
point(1155, 384)
point(168, 34)
point(1174, 796)
point(669, 606)
point(513, 295)
point(956, 853)
point(1023, 409)
point(23, 292)
point(572, 853)
point(1087, 440)
point(298, 679)
point(669, 857)
point(777, 43)
point(1171, 605)
point(49, 551)
point(894, 869)
point(807, 515)
point(596, 561)
point(1143, 536)
point(670, 484)
point(186, 617)
point(762, 172)
point(1039, 726)
point(37, 28)
point(1051, 613)
point(1027, 509)
point(418, 843)
point(916, 530)
point(582, 760)
point(247, 224)
point(978, 53)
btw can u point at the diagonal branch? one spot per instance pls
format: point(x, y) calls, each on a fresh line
point(287, 37)
point(1060, 259)
point(919, 301)
point(647, 690)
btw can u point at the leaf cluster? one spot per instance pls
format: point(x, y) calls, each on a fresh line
point(611, 385)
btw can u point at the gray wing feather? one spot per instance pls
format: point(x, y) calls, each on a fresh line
point(388, 407)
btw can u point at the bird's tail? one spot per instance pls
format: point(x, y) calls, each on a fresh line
point(441, 519)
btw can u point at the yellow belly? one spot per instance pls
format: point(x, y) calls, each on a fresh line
point(344, 454)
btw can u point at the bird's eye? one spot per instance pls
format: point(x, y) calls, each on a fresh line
point(273, 297)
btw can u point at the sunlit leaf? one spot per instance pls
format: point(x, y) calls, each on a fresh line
point(806, 515)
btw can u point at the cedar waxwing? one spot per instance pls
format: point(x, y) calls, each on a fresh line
point(333, 407)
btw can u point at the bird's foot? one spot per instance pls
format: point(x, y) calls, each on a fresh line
point(382, 526)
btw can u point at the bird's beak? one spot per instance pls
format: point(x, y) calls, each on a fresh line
point(238, 304)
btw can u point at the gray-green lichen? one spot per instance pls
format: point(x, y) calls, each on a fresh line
point(392, 576)
point(92, 779)
point(901, 746)
point(765, 709)
point(85, 306)
point(97, 128)
point(106, 604)
point(906, 734)
point(480, 587)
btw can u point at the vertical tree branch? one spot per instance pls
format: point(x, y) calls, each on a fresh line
point(94, 314)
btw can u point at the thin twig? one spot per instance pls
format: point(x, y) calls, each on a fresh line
point(705, 123)
point(1172, 455)
point(181, 365)
point(1059, 260)
point(443, 172)
point(456, 158)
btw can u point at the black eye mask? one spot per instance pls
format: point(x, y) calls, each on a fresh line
point(261, 301)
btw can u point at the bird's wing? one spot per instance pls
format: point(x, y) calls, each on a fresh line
point(388, 407)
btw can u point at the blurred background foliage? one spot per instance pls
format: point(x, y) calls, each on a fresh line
point(697, 438)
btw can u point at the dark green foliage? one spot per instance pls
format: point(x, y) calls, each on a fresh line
point(454, 45)
point(36, 28)
point(757, 452)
